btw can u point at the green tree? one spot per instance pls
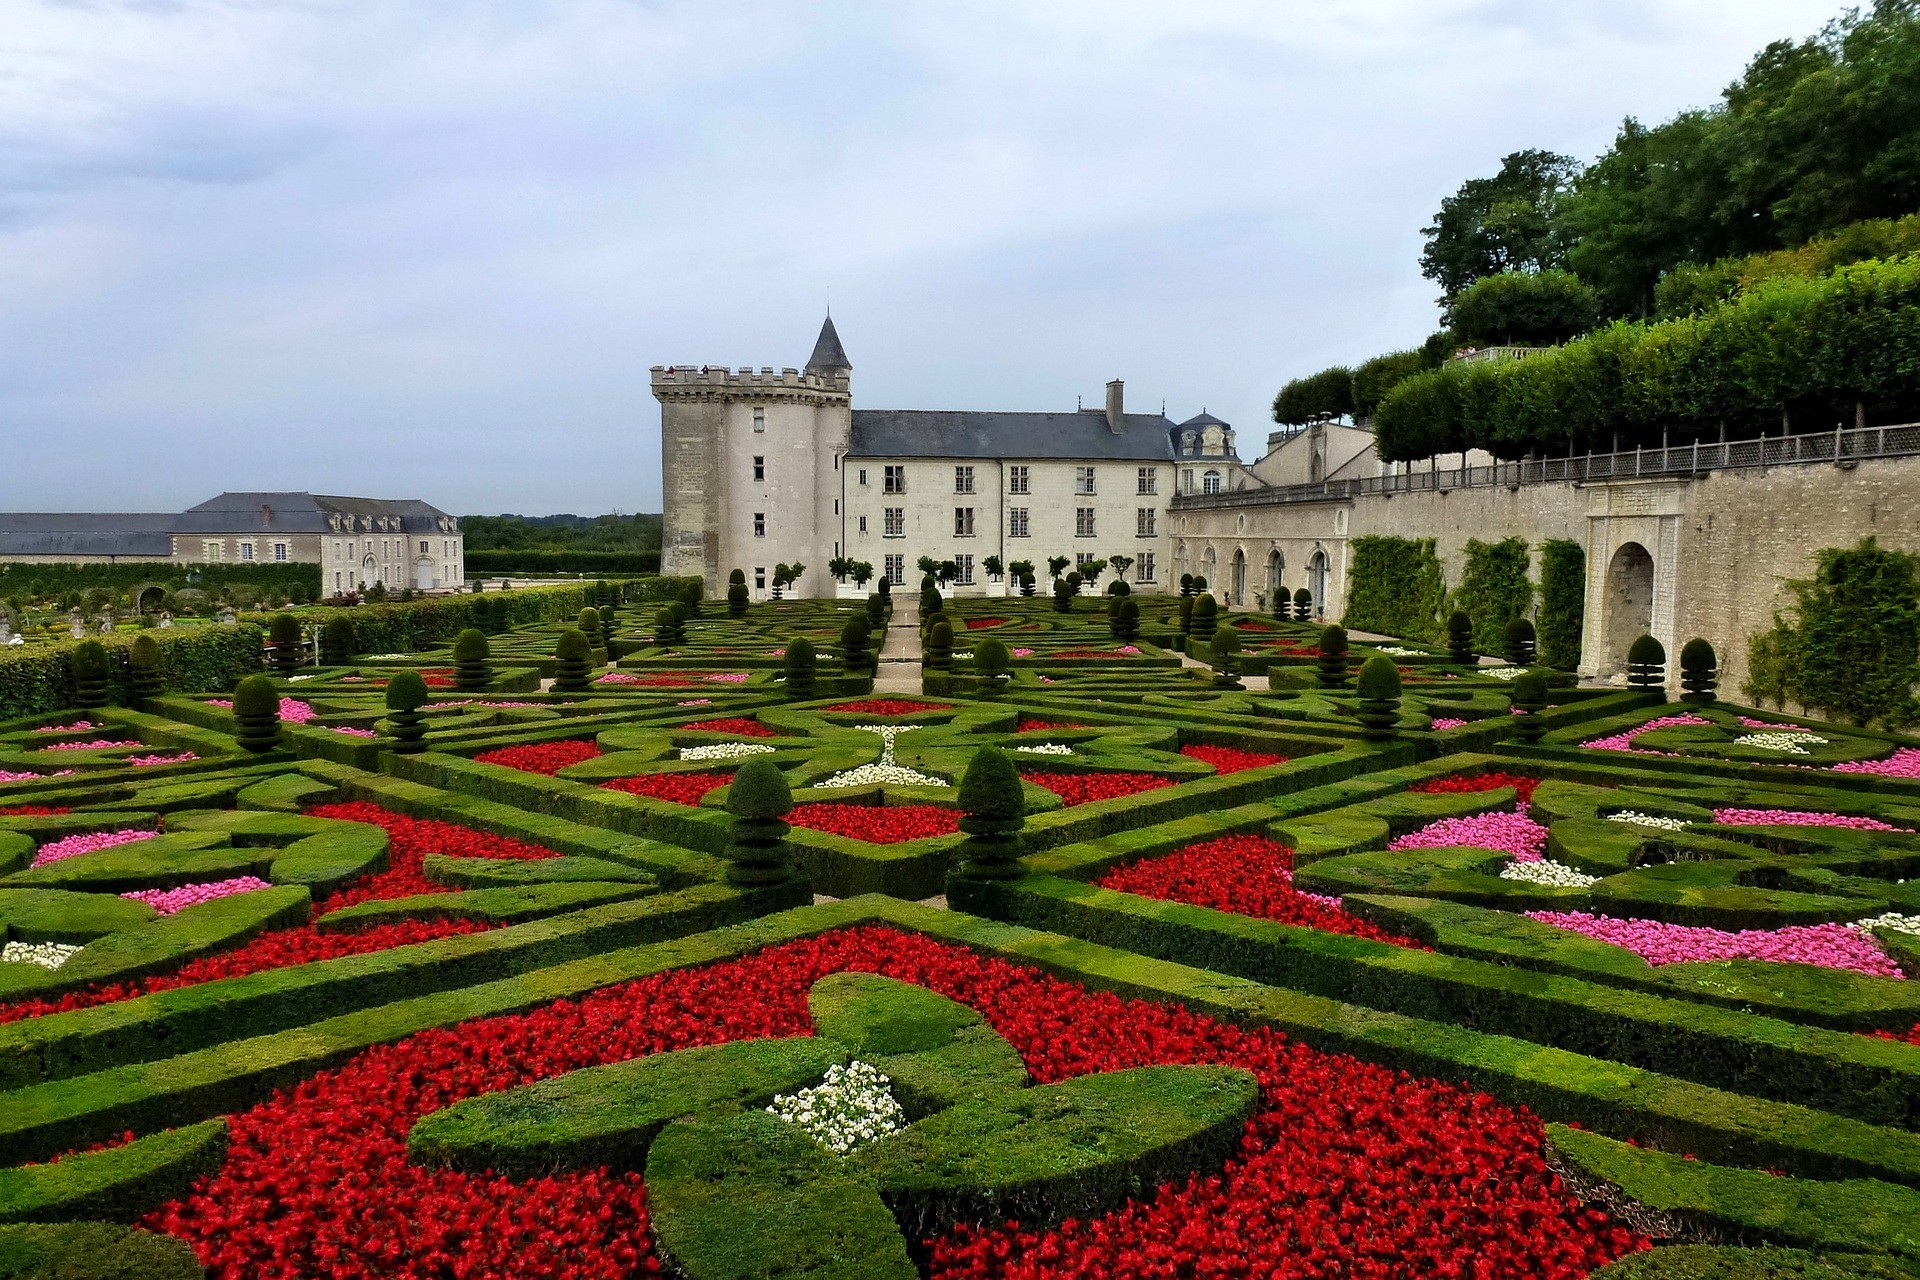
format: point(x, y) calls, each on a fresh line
point(1315, 398)
point(1851, 646)
point(1521, 308)
point(1503, 223)
point(1494, 589)
point(759, 800)
point(256, 713)
point(993, 810)
point(1372, 379)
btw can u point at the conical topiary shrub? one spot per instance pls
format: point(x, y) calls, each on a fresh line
point(690, 596)
point(1303, 605)
point(992, 811)
point(670, 625)
point(1460, 637)
point(992, 660)
point(1699, 671)
point(1226, 658)
point(799, 665)
point(1379, 690)
point(572, 656)
point(284, 643)
point(406, 694)
point(938, 655)
point(1520, 642)
point(856, 637)
point(92, 670)
point(1647, 665)
point(1206, 616)
point(336, 641)
point(143, 670)
point(1186, 616)
point(472, 669)
point(1062, 596)
point(737, 594)
point(1126, 620)
point(607, 601)
point(589, 625)
point(1530, 699)
point(759, 800)
point(877, 603)
point(1333, 656)
point(1186, 584)
point(256, 714)
point(930, 600)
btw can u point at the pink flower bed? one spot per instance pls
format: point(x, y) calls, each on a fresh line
point(87, 842)
point(25, 775)
point(695, 702)
point(1832, 946)
point(1624, 741)
point(1903, 763)
point(1752, 723)
point(1023, 653)
point(618, 677)
point(1447, 722)
point(352, 732)
point(1799, 818)
point(292, 710)
point(168, 901)
point(1510, 833)
point(98, 744)
point(730, 677)
point(178, 757)
point(78, 726)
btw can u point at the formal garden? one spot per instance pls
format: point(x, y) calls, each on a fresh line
point(570, 933)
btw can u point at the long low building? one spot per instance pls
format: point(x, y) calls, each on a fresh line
point(357, 542)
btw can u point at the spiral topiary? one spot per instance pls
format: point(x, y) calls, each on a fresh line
point(931, 601)
point(1530, 698)
point(1519, 638)
point(1126, 621)
point(1186, 584)
point(690, 597)
point(589, 625)
point(406, 694)
point(938, 655)
point(1460, 637)
point(472, 669)
point(1647, 665)
point(1062, 596)
point(1333, 656)
point(256, 714)
point(336, 641)
point(1186, 615)
point(992, 661)
point(855, 637)
point(285, 647)
point(1206, 615)
point(1379, 691)
point(737, 596)
point(799, 666)
point(1226, 651)
point(143, 670)
point(1303, 605)
point(670, 625)
point(759, 800)
point(92, 670)
point(571, 658)
point(1699, 671)
point(885, 588)
point(877, 603)
point(992, 812)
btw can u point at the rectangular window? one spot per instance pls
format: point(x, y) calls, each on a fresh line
point(896, 568)
point(1144, 570)
point(1186, 480)
point(1143, 518)
point(1083, 522)
point(963, 522)
point(759, 418)
point(1149, 480)
point(760, 467)
point(1083, 481)
point(1016, 522)
point(423, 546)
point(759, 578)
point(965, 565)
point(246, 552)
point(1017, 480)
point(336, 580)
point(863, 524)
point(963, 479)
point(280, 553)
point(894, 480)
point(896, 522)
point(759, 524)
point(863, 475)
point(211, 551)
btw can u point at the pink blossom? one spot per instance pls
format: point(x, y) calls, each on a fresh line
point(1800, 818)
point(1023, 653)
point(1447, 722)
point(730, 677)
point(76, 727)
point(87, 842)
point(618, 677)
point(1127, 650)
point(1833, 946)
point(1624, 741)
point(98, 744)
point(695, 702)
point(1511, 833)
point(179, 757)
point(168, 901)
point(1752, 723)
point(518, 704)
point(9, 775)
point(1903, 763)
point(292, 710)
point(352, 732)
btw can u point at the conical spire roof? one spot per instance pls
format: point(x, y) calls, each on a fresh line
point(828, 355)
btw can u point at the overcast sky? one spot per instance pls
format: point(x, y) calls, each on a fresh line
point(407, 249)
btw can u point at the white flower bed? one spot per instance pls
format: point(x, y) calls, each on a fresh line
point(1787, 742)
point(1395, 651)
point(388, 657)
point(725, 751)
point(1547, 872)
point(851, 1108)
point(1640, 819)
point(1503, 673)
point(1888, 920)
point(1047, 749)
point(885, 771)
point(48, 955)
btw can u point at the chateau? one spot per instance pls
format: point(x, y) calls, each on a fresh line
point(763, 468)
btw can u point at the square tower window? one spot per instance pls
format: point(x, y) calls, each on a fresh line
point(759, 418)
point(759, 524)
point(759, 466)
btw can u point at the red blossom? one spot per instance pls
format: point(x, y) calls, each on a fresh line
point(1083, 788)
point(680, 788)
point(542, 757)
point(877, 824)
point(33, 811)
point(1457, 783)
point(975, 624)
point(885, 707)
point(1906, 1037)
point(1029, 725)
point(1230, 759)
point(738, 726)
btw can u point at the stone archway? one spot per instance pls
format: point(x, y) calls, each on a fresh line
point(1239, 600)
point(1276, 577)
point(1317, 582)
point(1628, 603)
point(152, 595)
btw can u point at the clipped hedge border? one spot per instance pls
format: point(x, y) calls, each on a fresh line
point(118, 1184)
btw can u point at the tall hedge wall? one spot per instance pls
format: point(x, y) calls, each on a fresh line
point(534, 563)
point(31, 579)
point(1394, 586)
point(422, 624)
point(200, 659)
point(1563, 602)
point(1494, 589)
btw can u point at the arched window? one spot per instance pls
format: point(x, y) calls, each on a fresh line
point(1210, 483)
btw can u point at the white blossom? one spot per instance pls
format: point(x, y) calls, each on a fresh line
point(1396, 651)
point(1889, 920)
point(1047, 749)
point(1787, 742)
point(724, 751)
point(48, 955)
point(1503, 673)
point(853, 1107)
point(885, 771)
point(1548, 872)
point(1639, 819)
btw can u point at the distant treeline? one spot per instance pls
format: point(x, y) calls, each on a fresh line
point(533, 563)
point(560, 533)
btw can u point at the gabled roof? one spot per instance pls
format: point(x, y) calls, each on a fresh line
point(828, 356)
point(85, 533)
point(1204, 419)
point(959, 433)
point(299, 513)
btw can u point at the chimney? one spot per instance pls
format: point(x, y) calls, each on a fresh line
point(1116, 398)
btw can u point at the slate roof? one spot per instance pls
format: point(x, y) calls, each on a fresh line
point(150, 533)
point(1204, 419)
point(85, 533)
point(828, 355)
point(960, 433)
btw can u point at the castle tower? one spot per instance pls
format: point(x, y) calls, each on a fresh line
point(750, 467)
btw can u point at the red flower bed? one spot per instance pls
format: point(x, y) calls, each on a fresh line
point(1248, 874)
point(412, 839)
point(738, 726)
point(1455, 782)
point(877, 824)
point(542, 757)
point(1089, 653)
point(1082, 788)
point(33, 811)
point(1908, 1037)
point(885, 707)
point(976, 624)
point(681, 788)
point(1030, 725)
point(1230, 759)
point(1345, 1169)
point(438, 677)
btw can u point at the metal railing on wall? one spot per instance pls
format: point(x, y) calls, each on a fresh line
point(1844, 446)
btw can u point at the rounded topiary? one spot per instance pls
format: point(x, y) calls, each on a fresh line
point(283, 635)
point(92, 669)
point(1200, 582)
point(1226, 657)
point(1303, 605)
point(1333, 656)
point(759, 800)
point(1186, 584)
point(143, 669)
point(885, 587)
point(992, 811)
point(256, 714)
point(336, 641)
point(1027, 586)
point(1206, 615)
point(1647, 664)
point(471, 666)
point(1126, 621)
point(670, 625)
point(1699, 671)
point(992, 660)
point(1530, 697)
point(572, 658)
point(1076, 580)
point(877, 608)
point(1186, 615)
point(939, 651)
point(1519, 637)
point(931, 602)
point(1379, 689)
point(737, 599)
point(1460, 637)
point(1119, 587)
point(799, 665)
point(690, 597)
point(589, 625)
point(406, 694)
point(1062, 596)
point(738, 578)
point(856, 637)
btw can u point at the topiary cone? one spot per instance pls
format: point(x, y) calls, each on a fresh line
point(1206, 615)
point(336, 641)
point(143, 670)
point(471, 669)
point(1520, 642)
point(256, 714)
point(1530, 699)
point(1460, 638)
point(571, 658)
point(1647, 665)
point(939, 651)
point(799, 665)
point(992, 811)
point(759, 800)
point(589, 624)
point(1303, 605)
point(855, 638)
point(992, 660)
point(283, 634)
point(92, 669)
point(1699, 671)
point(1333, 657)
point(1226, 664)
point(406, 694)
point(1379, 690)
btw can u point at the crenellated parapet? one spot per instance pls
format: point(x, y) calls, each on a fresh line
point(703, 382)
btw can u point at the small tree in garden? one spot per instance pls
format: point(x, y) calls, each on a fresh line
point(1699, 671)
point(256, 713)
point(759, 800)
point(1206, 615)
point(837, 568)
point(589, 625)
point(876, 610)
point(994, 566)
point(1460, 637)
point(862, 573)
point(992, 660)
point(284, 643)
point(91, 671)
point(1226, 651)
point(1520, 642)
point(1062, 596)
point(737, 594)
point(1303, 605)
point(406, 694)
point(1333, 656)
point(670, 625)
point(336, 641)
point(928, 567)
point(854, 639)
point(1075, 581)
point(1379, 690)
point(992, 812)
point(1027, 584)
point(571, 657)
point(695, 590)
point(472, 670)
point(143, 670)
point(1126, 620)
point(1119, 564)
point(1019, 570)
point(1119, 589)
point(1186, 584)
point(1057, 565)
point(1090, 572)
point(948, 573)
point(1647, 665)
point(799, 665)
point(1530, 699)
point(938, 655)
